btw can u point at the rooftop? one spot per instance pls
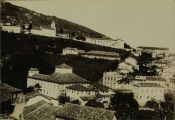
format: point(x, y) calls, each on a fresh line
point(153, 48)
point(34, 94)
point(43, 111)
point(148, 85)
point(79, 87)
point(77, 112)
point(65, 66)
point(7, 90)
point(40, 111)
point(60, 78)
point(105, 53)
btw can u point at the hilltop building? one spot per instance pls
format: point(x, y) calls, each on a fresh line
point(12, 29)
point(63, 35)
point(51, 31)
point(55, 84)
point(102, 55)
point(72, 51)
point(106, 42)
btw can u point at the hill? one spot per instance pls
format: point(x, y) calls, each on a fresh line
point(19, 54)
point(17, 15)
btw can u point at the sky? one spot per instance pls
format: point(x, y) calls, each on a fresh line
point(137, 22)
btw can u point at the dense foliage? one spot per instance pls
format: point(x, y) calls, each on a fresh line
point(125, 105)
point(94, 103)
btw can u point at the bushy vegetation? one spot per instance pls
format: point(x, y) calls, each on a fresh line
point(125, 105)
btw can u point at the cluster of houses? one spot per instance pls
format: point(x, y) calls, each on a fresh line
point(154, 51)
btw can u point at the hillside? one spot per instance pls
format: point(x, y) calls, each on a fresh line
point(19, 54)
point(17, 15)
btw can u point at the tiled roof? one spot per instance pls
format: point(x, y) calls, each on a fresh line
point(40, 76)
point(60, 78)
point(40, 111)
point(64, 66)
point(101, 87)
point(79, 87)
point(7, 90)
point(77, 112)
point(34, 94)
point(44, 111)
point(148, 85)
point(153, 48)
point(102, 53)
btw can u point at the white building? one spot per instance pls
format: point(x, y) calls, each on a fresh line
point(77, 91)
point(106, 42)
point(45, 31)
point(13, 29)
point(144, 92)
point(131, 60)
point(110, 79)
point(63, 35)
point(55, 84)
point(151, 79)
point(102, 55)
point(125, 67)
point(171, 84)
point(72, 51)
point(34, 97)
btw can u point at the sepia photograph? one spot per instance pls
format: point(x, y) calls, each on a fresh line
point(87, 60)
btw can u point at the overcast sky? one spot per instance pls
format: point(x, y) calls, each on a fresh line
point(137, 22)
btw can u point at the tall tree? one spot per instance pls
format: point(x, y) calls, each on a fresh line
point(125, 105)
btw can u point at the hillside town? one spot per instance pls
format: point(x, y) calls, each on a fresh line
point(142, 82)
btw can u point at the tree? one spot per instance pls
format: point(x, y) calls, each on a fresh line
point(152, 104)
point(63, 99)
point(76, 102)
point(145, 57)
point(94, 103)
point(168, 106)
point(30, 27)
point(125, 105)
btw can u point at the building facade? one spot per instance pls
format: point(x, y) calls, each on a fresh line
point(144, 92)
point(106, 42)
point(110, 79)
point(55, 84)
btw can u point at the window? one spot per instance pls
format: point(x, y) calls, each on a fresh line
point(140, 97)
